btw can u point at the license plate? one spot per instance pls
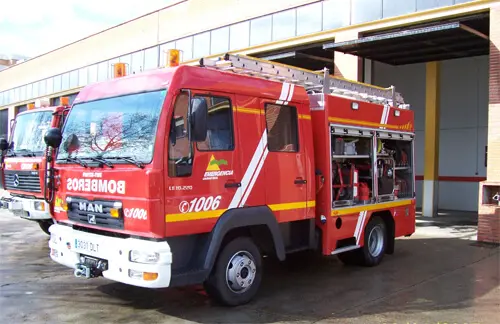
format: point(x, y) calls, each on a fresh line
point(86, 246)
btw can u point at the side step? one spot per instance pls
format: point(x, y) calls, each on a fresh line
point(345, 249)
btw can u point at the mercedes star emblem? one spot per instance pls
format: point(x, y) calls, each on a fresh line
point(16, 180)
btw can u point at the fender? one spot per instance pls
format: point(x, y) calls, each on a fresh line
point(204, 260)
point(243, 217)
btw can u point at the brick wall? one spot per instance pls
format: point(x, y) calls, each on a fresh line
point(493, 171)
point(489, 212)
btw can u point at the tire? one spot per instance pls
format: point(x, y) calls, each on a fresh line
point(373, 250)
point(45, 224)
point(238, 258)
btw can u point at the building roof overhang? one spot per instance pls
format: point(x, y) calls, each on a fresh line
point(461, 37)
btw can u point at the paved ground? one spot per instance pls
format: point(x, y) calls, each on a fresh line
point(437, 276)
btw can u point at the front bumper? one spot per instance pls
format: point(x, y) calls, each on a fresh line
point(115, 252)
point(33, 209)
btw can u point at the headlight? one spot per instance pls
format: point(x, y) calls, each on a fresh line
point(143, 257)
point(39, 205)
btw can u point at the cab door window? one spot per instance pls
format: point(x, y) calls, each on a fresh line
point(180, 154)
point(219, 125)
point(282, 128)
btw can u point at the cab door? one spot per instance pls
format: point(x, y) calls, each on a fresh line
point(285, 164)
point(203, 177)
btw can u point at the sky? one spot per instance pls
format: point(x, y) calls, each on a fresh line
point(34, 27)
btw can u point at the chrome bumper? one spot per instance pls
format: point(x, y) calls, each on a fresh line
point(72, 248)
point(32, 209)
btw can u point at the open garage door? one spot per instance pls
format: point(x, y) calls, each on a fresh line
point(311, 57)
point(457, 38)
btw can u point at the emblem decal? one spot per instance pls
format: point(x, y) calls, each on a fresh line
point(16, 180)
point(91, 219)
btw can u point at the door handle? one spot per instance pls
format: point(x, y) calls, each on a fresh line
point(232, 184)
point(300, 181)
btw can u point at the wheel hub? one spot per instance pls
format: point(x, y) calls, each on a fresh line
point(240, 272)
point(375, 241)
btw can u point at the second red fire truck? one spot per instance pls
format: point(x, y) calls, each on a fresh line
point(191, 174)
point(24, 161)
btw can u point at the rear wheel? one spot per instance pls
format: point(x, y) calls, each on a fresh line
point(373, 250)
point(237, 273)
point(45, 224)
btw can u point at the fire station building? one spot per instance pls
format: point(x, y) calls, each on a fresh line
point(442, 55)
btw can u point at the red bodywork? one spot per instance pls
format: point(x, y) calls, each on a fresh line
point(175, 206)
point(35, 164)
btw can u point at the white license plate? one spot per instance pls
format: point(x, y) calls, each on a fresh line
point(86, 246)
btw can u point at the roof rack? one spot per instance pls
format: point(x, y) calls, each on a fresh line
point(312, 81)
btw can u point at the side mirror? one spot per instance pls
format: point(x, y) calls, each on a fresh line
point(4, 145)
point(71, 144)
point(199, 112)
point(53, 137)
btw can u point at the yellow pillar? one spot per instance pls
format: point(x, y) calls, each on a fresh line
point(346, 65)
point(431, 150)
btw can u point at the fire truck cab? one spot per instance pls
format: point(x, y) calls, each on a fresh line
point(192, 174)
point(24, 161)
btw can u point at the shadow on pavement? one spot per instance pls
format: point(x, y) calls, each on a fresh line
point(424, 275)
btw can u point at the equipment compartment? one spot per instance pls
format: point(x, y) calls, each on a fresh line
point(352, 165)
point(398, 148)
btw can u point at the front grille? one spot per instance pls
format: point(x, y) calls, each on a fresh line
point(94, 212)
point(22, 180)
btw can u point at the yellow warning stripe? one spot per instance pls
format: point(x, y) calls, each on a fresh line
point(360, 122)
point(357, 209)
point(169, 218)
point(249, 110)
point(256, 111)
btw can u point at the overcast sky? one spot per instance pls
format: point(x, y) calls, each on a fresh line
point(33, 27)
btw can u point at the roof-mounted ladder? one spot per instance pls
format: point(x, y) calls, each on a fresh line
point(312, 81)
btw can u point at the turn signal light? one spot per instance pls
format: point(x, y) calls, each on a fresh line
point(114, 212)
point(39, 205)
point(149, 276)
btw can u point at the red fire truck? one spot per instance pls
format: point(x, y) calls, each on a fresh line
point(24, 162)
point(192, 174)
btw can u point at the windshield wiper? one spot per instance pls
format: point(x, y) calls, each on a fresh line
point(139, 164)
point(25, 152)
point(77, 160)
point(101, 160)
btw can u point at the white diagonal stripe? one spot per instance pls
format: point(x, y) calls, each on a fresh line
point(361, 227)
point(384, 112)
point(387, 114)
point(290, 93)
point(284, 92)
point(358, 224)
point(254, 178)
point(249, 171)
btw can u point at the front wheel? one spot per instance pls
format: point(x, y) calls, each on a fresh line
point(45, 224)
point(237, 273)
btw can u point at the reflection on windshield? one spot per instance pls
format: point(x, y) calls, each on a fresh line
point(122, 126)
point(29, 130)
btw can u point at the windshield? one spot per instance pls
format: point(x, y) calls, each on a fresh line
point(29, 130)
point(122, 126)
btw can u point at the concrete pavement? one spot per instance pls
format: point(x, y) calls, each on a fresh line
point(439, 275)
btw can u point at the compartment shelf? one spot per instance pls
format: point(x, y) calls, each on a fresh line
point(351, 156)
